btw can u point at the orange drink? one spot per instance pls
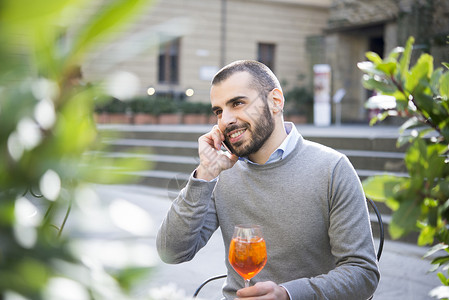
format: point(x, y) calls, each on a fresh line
point(248, 256)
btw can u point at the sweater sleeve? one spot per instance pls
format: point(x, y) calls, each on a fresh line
point(356, 274)
point(189, 223)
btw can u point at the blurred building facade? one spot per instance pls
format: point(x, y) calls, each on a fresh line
point(193, 39)
point(185, 42)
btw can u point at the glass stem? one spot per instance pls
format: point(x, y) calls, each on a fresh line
point(246, 283)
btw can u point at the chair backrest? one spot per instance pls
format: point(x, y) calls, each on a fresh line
point(206, 282)
point(379, 250)
point(381, 228)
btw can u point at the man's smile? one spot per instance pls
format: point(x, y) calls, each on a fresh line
point(235, 135)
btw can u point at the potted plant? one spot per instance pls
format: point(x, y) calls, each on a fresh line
point(420, 202)
point(166, 111)
point(195, 112)
point(143, 110)
point(298, 105)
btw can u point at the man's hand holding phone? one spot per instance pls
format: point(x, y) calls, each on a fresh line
point(212, 159)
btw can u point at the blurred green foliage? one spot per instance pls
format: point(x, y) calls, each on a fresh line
point(299, 101)
point(420, 201)
point(48, 149)
point(154, 106)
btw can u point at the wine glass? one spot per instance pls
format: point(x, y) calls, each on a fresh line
point(247, 251)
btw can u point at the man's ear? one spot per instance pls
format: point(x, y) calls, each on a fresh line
point(278, 100)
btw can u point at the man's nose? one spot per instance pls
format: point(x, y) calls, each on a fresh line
point(228, 117)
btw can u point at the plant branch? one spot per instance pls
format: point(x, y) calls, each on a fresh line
point(65, 218)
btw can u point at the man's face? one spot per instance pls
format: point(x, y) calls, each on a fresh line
point(243, 114)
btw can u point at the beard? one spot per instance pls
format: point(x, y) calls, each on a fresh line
point(260, 132)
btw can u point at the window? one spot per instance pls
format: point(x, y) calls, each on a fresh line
point(265, 54)
point(169, 62)
point(376, 44)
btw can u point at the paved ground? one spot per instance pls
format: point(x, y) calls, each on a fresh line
point(404, 272)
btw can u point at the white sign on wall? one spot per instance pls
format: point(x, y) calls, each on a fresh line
point(208, 72)
point(322, 95)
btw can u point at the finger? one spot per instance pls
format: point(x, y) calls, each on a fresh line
point(205, 141)
point(210, 137)
point(217, 137)
point(258, 290)
point(251, 291)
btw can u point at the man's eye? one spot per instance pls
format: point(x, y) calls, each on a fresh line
point(218, 112)
point(237, 103)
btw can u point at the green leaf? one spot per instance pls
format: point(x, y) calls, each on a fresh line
point(394, 54)
point(26, 13)
point(127, 277)
point(379, 118)
point(369, 68)
point(443, 236)
point(435, 80)
point(383, 86)
point(410, 123)
point(388, 67)
point(446, 65)
point(403, 140)
point(444, 128)
point(407, 215)
point(435, 162)
point(444, 85)
point(400, 97)
point(427, 106)
point(426, 236)
point(380, 188)
point(421, 70)
point(39, 27)
point(416, 161)
point(440, 260)
point(443, 187)
point(433, 268)
point(374, 57)
point(404, 62)
point(395, 230)
point(412, 129)
point(435, 249)
point(442, 278)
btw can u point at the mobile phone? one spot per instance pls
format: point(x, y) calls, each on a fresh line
point(226, 146)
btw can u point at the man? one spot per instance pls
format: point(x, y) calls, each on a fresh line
point(307, 197)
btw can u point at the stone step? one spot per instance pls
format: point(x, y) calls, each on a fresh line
point(376, 161)
point(171, 172)
point(161, 162)
point(168, 147)
point(347, 138)
point(154, 132)
point(361, 159)
point(387, 144)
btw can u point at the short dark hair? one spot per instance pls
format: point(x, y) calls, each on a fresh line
point(263, 79)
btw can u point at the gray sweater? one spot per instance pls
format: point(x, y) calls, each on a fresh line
point(314, 216)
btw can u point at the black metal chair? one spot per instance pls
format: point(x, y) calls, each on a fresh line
point(379, 250)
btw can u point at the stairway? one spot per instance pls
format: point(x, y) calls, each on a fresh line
point(174, 153)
